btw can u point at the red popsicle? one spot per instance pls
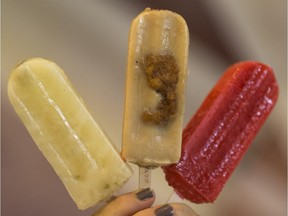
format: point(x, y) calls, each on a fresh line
point(217, 137)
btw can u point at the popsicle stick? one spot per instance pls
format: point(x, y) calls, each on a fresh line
point(173, 197)
point(144, 177)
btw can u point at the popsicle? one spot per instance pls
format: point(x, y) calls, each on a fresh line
point(219, 134)
point(77, 148)
point(155, 88)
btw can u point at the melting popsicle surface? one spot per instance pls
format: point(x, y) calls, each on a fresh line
point(73, 143)
point(218, 135)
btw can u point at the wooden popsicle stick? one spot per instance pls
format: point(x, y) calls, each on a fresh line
point(144, 177)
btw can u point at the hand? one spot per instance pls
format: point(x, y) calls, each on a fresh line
point(138, 203)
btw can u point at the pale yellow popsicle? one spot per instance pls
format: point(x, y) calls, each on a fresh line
point(77, 148)
point(155, 88)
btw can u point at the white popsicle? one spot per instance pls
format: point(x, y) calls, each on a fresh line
point(77, 148)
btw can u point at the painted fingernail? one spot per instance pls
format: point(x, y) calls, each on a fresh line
point(145, 194)
point(165, 210)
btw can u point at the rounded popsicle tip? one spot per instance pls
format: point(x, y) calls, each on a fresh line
point(250, 66)
point(31, 62)
point(247, 68)
point(170, 17)
point(148, 11)
point(26, 65)
point(19, 76)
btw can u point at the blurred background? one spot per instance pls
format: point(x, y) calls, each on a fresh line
point(89, 38)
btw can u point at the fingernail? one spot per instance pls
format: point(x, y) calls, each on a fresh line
point(165, 210)
point(145, 194)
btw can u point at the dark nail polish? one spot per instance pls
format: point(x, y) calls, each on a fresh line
point(165, 210)
point(145, 194)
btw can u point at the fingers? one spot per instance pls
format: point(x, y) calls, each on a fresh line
point(128, 204)
point(173, 209)
point(139, 203)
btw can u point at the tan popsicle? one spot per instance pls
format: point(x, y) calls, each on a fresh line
point(155, 88)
